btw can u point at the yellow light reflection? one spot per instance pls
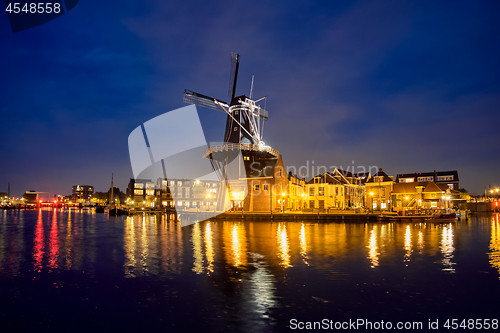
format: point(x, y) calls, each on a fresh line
point(408, 247)
point(234, 244)
point(303, 244)
point(130, 248)
point(447, 249)
point(373, 253)
point(237, 246)
point(209, 248)
point(494, 255)
point(283, 246)
point(420, 242)
point(197, 250)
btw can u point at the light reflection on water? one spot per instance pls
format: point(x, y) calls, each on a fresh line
point(251, 269)
point(142, 245)
point(494, 254)
point(372, 248)
point(447, 248)
point(408, 247)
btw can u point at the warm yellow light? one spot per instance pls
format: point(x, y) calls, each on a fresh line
point(371, 193)
point(406, 198)
point(283, 194)
point(491, 191)
point(302, 195)
point(496, 190)
point(208, 195)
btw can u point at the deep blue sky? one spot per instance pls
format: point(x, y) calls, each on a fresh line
point(409, 86)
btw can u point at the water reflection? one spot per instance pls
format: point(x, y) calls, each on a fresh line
point(197, 250)
point(209, 248)
point(53, 243)
point(373, 253)
point(39, 244)
point(420, 241)
point(55, 240)
point(283, 249)
point(408, 246)
point(303, 244)
point(261, 287)
point(234, 244)
point(494, 254)
point(69, 244)
point(447, 248)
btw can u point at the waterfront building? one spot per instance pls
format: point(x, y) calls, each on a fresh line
point(448, 178)
point(378, 190)
point(354, 189)
point(141, 193)
point(35, 197)
point(187, 194)
point(82, 193)
point(416, 196)
point(267, 192)
point(326, 192)
point(294, 198)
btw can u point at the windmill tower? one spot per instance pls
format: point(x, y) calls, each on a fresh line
point(243, 134)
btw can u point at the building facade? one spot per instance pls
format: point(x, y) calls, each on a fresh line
point(378, 191)
point(422, 196)
point(82, 193)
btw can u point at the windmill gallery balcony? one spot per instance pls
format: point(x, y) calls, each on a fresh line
point(228, 146)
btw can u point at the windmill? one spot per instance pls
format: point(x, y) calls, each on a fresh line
point(244, 130)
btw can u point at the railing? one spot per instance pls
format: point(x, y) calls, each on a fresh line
point(240, 146)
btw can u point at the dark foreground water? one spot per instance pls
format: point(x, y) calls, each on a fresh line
point(77, 271)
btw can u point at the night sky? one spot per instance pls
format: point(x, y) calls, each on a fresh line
point(408, 86)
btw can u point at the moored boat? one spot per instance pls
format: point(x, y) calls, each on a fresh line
point(442, 218)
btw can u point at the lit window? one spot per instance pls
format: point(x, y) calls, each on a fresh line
point(426, 179)
point(138, 192)
point(138, 185)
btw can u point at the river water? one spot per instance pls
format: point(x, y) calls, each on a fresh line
point(78, 271)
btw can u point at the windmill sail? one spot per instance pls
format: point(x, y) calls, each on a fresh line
point(191, 97)
point(235, 64)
